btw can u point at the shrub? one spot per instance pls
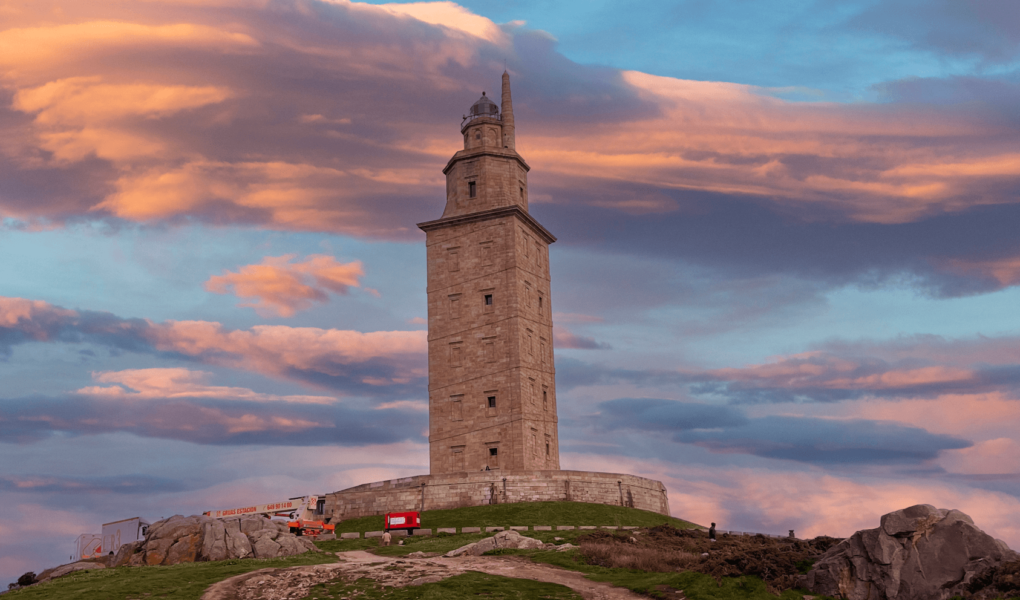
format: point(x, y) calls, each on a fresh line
point(27, 579)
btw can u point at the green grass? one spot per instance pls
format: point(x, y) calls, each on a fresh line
point(441, 543)
point(186, 581)
point(525, 513)
point(695, 585)
point(468, 586)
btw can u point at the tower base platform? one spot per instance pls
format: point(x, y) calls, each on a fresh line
point(478, 488)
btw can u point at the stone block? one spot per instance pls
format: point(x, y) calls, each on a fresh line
point(629, 527)
point(492, 529)
point(519, 527)
point(422, 532)
point(564, 527)
point(325, 537)
point(470, 529)
point(608, 527)
point(587, 527)
point(373, 534)
point(353, 535)
point(542, 528)
point(398, 532)
point(447, 530)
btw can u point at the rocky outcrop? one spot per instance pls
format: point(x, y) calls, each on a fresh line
point(68, 569)
point(504, 539)
point(200, 538)
point(918, 553)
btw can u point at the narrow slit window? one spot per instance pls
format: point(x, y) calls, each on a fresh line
point(539, 305)
point(492, 401)
point(472, 189)
point(522, 193)
point(545, 400)
point(547, 449)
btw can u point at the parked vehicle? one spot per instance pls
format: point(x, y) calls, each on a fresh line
point(403, 520)
point(304, 514)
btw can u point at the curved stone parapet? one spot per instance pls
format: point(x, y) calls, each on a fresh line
point(457, 490)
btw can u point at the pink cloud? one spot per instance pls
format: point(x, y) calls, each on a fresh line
point(564, 338)
point(126, 90)
point(811, 502)
point(823, 370)
point(373, 359)
point(161, 384)
point(283, 287)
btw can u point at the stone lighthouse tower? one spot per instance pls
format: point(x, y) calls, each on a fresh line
point(492, 385)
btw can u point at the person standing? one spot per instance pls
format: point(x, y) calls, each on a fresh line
point(711, 532)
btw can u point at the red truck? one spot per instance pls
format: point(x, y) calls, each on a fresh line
point(403, 520)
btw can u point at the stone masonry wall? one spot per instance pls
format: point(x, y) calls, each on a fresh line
point(457, 490)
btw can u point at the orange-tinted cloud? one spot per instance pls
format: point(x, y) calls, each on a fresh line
point(162, 384)
point(357, 362)
point(283, 287)
point(819, 369)
point(267, 133)
point(812, 502)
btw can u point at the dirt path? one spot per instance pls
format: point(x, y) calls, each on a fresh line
point(295, 582)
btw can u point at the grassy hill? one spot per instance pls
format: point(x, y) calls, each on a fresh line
point(526, 513)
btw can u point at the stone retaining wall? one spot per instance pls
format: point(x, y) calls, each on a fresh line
point(457, 490)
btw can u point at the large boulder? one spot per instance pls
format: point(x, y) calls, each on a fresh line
point(201, 538)
point(504, 539)
point(917, 553)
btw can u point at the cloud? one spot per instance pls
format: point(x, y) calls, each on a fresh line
point(163, 383)
point(326, 131)
point(563, 338)
point(387, 363)
point(283, 287)
point(921, 366)
point(128, 484)
point(809, 440)
point(986, 30)
point(203, 419)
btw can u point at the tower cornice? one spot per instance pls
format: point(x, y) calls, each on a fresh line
point(486, 215)
point(484, 151)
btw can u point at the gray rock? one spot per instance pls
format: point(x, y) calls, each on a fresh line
point(126, 552)
point(201, 538)
point(503, 539)
point(426, 579)
point(265, 547)
point(72, 568)
point(214, 542)
point(917, 553)
point(565, 547)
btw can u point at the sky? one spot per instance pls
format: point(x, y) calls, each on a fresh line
point(785, 283)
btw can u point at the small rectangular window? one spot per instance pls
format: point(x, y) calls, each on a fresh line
point(488, 299)
point(545, 400)
point(472, 189)
point(547, 449)
point(490, 350)
point(492, 401)
point(539, 305)
point(522, 193)
point(493, 451)
point(457, 407)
